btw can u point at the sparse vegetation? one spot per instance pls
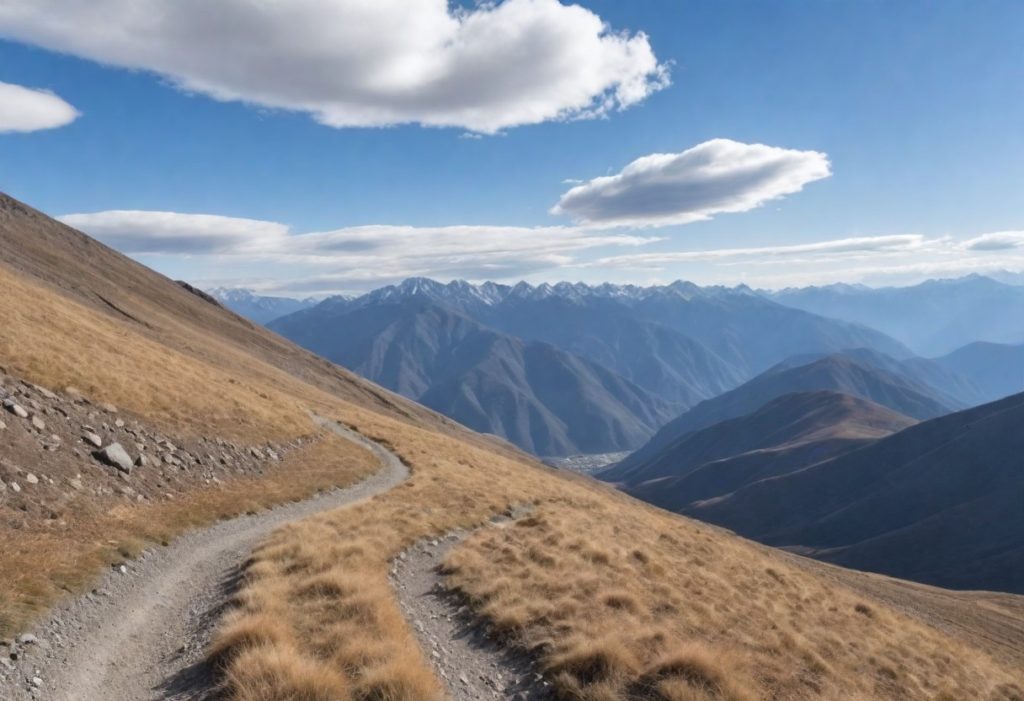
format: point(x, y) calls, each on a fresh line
point(617, 600)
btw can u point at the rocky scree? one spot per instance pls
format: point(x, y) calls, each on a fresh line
point(59, 447)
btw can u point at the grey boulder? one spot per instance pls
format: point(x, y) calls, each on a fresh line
point(116, 456)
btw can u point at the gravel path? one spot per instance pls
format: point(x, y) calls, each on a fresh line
point(472, 665)
point(140, 635)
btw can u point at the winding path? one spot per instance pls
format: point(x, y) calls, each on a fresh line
point(140, 635)
point(471, 664)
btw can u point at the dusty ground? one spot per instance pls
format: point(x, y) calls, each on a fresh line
point(472, 663)
point(141, 633)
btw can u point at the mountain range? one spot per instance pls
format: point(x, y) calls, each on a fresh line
point(933, 318)
point(566, 368)
point(849, 374)
point(541, 398)
point(258, 308)
point(785, 435)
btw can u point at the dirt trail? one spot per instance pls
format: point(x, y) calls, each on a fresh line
point(472, 665)
point(140, 635)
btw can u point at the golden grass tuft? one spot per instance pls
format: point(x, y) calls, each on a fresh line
point(693, 673)
point(280, 673)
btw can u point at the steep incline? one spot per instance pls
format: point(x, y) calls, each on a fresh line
point(786, 435)
point(543, 399)
point(938, 502)
point(838, 373)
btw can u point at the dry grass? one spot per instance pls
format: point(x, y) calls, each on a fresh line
point(617, 600)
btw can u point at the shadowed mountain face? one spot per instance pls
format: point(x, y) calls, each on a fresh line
point(838, 373)
point(933, 318)
point(680, 341)
point(785, 435)
point(258, 308)
point(996, 369)
point(939, 502)
point(539, 397)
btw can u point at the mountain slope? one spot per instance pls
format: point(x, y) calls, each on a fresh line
point(544, 400)
point(681, 341)
point(834, 372)
point(589, 580)
point(659, 359)
point(927, 377)
point(933, 318)
point(938, 502)
point(996, 369)
point(258, 308)
point(787, 434)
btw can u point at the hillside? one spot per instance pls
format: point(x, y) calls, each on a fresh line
point(607, 597)
point(928, 377)
point(837, 372)
point(938, 502)
point(997, 369)
point(540, 398)
point(786, 435)
point(932, 318)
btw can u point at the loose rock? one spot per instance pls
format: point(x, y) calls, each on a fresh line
point(15, 408)
point(116, 456)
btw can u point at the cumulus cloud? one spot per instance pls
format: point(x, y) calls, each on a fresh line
point(714, 177)
point(352, 255)
point(24, 109)
point(996, 241)
point(356, 63)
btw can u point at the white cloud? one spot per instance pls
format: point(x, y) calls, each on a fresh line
point(848, 247)
point(24, 109)
point(358, 63)
point(134, 231)
point(341, 258)
point(996, 241)
point(714, 177)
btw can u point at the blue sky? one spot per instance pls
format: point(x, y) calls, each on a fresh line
point(918, 108)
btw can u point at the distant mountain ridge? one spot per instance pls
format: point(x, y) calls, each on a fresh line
point(541, 398)
point(702, 340)
point(836, 372)
point(785, 435)
point(938, 502)
point(995, 369)
point(933, 318)
point(258, 308)
point(655, 350)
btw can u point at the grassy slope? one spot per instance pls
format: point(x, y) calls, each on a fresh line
point(643, 602)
